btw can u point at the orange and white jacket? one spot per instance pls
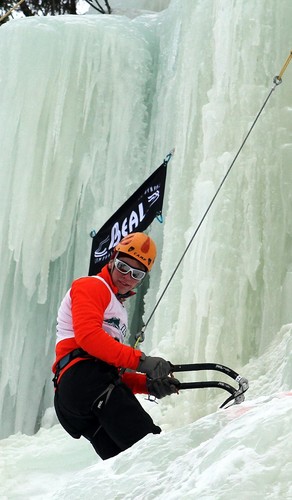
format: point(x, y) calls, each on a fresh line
point(92, 318)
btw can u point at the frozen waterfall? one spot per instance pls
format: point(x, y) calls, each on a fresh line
point(90, 105)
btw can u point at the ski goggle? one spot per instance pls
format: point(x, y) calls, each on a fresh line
point(122, 267)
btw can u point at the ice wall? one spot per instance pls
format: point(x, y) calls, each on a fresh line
point(216, 65)
point(74, 118)
point(90, 106)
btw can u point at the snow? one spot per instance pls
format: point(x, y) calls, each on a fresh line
point(231, 453)
point(90, 106)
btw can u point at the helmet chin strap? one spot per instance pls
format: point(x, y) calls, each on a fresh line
point(124, 296)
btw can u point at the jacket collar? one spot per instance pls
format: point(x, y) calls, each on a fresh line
point(106, 275)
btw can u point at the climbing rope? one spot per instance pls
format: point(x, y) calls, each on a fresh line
point(11, 10)
point(276, 81)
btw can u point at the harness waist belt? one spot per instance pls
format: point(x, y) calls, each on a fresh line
point(77, 353)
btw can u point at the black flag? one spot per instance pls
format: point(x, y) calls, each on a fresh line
point(134, 215)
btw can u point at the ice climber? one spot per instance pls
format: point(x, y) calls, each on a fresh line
point(93, 397)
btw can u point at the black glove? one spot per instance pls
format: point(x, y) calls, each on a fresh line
point(161, 387)
point(154, 367)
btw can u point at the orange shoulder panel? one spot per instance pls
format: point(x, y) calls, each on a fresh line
point(90, 298)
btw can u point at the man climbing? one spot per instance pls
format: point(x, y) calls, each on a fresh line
point(94, 398)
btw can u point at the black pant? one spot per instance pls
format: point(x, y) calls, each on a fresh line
point(111, 426)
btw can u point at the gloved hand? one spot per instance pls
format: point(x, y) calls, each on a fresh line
point(161, 387)
point(154, 367)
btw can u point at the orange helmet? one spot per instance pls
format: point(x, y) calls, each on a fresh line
point(139, 246)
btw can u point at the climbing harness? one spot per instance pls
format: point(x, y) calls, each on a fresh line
point(102, 398)
point(77, 353)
